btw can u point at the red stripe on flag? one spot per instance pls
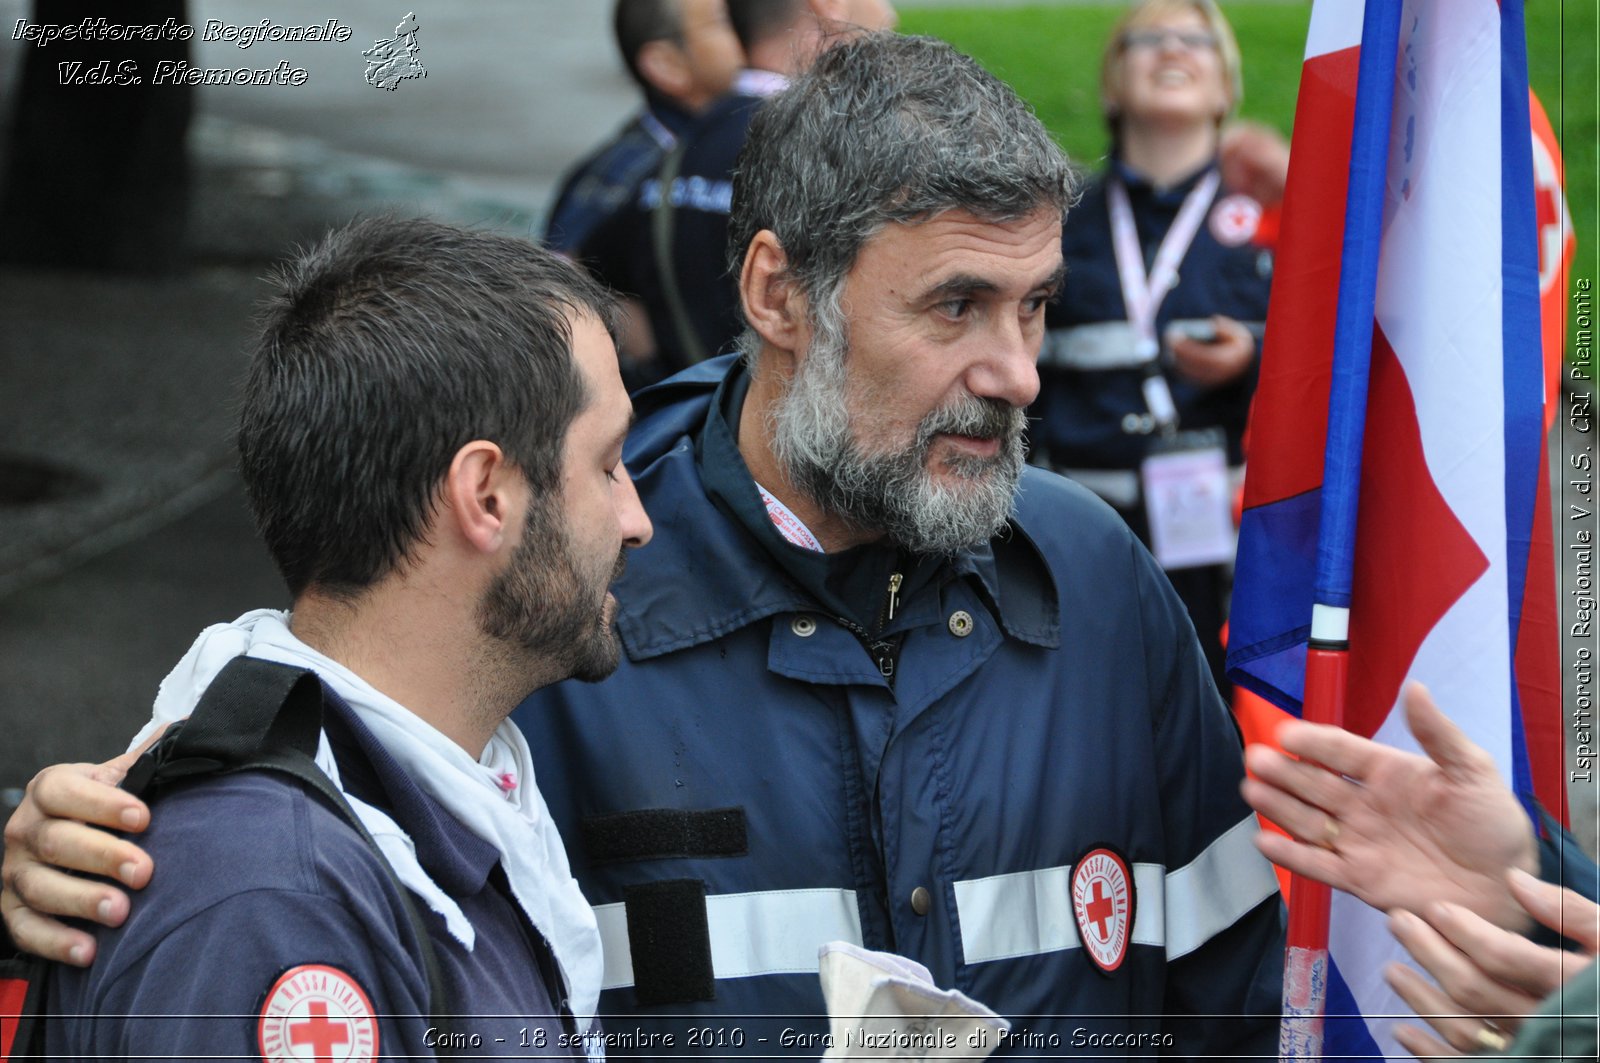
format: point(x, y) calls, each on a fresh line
point(1538, 659)
point(1291, 404)
point(1415, 560)
point(1557, 247)
point(1259, 720)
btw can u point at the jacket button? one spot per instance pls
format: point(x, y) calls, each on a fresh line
point(803, 626)
point(921, 900)
point(960, 623)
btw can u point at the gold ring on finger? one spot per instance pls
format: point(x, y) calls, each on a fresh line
point(1489, 1039)
point(1330, 832)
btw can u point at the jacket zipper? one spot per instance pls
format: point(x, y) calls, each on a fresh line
point(883, 650)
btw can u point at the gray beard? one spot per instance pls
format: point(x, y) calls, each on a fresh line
point(894, 493)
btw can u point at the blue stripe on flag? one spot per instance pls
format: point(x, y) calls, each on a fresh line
point(1523, 358)
point(1345, 1033)
point(1271, 617)
point(1358, 285)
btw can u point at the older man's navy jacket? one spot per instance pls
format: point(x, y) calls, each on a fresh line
point(750, 784)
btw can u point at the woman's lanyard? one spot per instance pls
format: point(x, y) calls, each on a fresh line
point(1142, 294)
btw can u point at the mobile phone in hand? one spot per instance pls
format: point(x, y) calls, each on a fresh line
point(1199, 329)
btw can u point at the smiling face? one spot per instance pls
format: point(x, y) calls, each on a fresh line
point(1167, 66)
point(906, 417)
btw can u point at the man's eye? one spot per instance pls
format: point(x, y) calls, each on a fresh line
point(614, 474)
point(955, 309)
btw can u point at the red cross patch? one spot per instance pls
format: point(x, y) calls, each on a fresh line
point(1235, 219)
point(1102, 903)
point(316, 1012)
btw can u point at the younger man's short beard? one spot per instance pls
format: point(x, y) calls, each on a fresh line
point(894, 493)
point(543, 607)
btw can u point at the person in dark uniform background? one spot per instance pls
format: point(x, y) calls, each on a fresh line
point(1153, 347)
point(684, 55)
point(672, 255)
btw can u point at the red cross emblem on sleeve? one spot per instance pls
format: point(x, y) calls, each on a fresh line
point(1102, 904)
point(317, 1012)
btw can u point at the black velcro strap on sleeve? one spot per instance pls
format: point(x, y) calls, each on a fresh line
point(660, 833)
point(670, 942)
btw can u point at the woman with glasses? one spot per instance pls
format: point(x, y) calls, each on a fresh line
point(1150, 360)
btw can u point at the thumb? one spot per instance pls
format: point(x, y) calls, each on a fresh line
point(113, 771)
point(1567, 913)
point(1444, 743)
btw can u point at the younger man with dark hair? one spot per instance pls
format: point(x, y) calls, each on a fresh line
point(431, 441)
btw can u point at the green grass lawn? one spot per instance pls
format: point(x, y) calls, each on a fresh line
point(1051, 55)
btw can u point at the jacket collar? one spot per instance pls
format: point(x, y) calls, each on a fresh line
point(708, 571)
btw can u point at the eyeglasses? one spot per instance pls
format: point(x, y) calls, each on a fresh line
point(1155, 40)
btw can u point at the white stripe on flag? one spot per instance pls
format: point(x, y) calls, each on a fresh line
point(1335, 26)
point(1439, 302)
point(1028, 913)
point(773, 932)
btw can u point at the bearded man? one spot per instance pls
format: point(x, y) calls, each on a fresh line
point(430, 438)
point(881, 683)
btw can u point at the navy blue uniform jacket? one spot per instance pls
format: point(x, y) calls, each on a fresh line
point(748, 785)
point(624, 251)
point(255, 876)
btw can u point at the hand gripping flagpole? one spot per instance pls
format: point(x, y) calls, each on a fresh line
point(1327, 658)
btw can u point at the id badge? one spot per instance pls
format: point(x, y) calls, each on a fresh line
point(1185, 480)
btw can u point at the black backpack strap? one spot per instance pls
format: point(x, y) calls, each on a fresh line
point(252, 709)
point(263, 716)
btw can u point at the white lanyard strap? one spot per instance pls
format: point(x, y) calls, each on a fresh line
point(1142, 294)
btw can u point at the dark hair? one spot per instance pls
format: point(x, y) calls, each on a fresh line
point(383, 351)
point(885, 128)
point(638, 22)
point(756, 20)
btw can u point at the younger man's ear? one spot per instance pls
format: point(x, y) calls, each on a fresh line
point(482, 491)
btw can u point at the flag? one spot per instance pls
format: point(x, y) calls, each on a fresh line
point(1451, 457)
